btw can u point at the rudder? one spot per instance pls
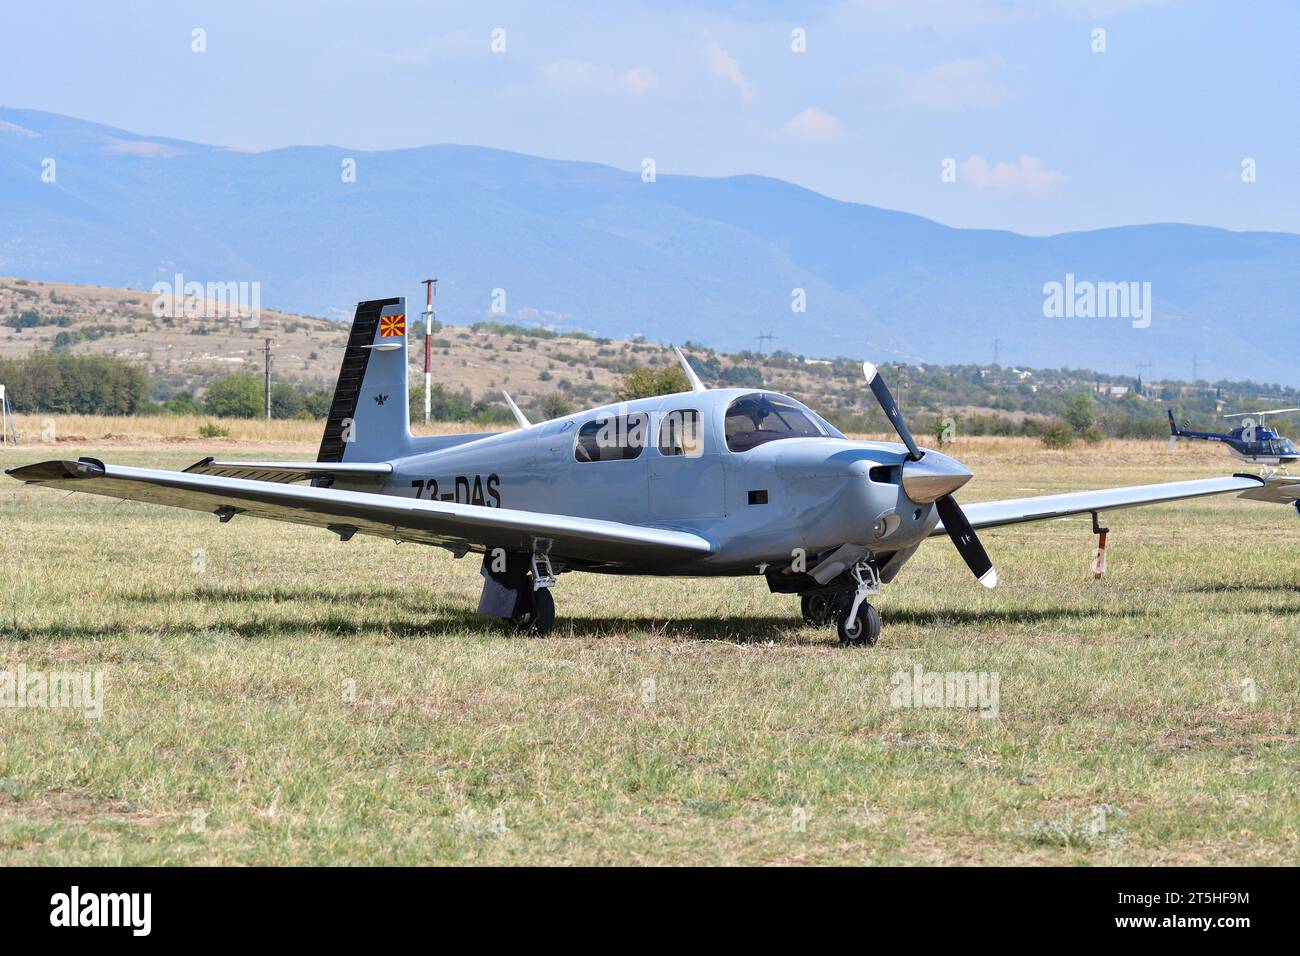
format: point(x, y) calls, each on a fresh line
point(370, 417)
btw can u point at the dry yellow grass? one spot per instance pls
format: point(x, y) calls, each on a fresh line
point(55, 431)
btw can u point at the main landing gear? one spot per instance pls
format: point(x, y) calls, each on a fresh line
point(535, 608)
point(517, 587)
point(534, 612)
point(856, 621)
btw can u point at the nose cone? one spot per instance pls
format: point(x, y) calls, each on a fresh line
point(932, 477)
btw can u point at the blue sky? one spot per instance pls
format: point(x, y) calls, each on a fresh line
point(1045, 135)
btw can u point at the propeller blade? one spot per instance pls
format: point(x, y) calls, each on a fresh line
point(891, 409)
point(968, 546)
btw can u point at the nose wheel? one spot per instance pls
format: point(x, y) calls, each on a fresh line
point(861, 629)
point(858, 623)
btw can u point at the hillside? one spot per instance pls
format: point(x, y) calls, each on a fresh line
point(184, 355)
point(585, 247)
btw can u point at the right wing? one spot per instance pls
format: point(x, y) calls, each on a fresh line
point(444, 523)
point(993, 514)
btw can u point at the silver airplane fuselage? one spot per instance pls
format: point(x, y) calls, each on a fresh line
point(759, 505)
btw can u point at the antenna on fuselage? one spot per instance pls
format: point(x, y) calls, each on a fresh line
point(520, 417)
point(696, 384)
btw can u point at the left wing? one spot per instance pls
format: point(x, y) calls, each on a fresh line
point(994, 514)
point(444, 523)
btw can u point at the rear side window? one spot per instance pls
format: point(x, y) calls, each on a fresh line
point(617, 438)
point(680, 434)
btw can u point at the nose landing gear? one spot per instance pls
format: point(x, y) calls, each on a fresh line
point(856, 621)
point(860, 630)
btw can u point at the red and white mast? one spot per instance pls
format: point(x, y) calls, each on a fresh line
point(429, 285)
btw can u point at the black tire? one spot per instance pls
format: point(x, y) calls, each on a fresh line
point(817, 609)
point(535, 612)
point(863, 631)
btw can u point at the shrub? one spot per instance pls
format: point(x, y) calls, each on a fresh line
point(644, 382)
point(1058, 436)
point(235, 396)
point(555, 405)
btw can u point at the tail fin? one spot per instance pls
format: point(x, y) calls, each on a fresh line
point(370, 417)
point(1173, 426)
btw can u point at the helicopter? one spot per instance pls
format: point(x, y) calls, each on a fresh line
point(703, 483)
point(1252, 442)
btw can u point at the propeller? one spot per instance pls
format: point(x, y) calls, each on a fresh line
point(935, 476)
point(886, 399)
point(968, 545)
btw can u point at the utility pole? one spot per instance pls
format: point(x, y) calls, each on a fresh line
point(266, 377)
point(7, 425)
point(430, 289)
point(995, 351)
point(764, 337)
point(1195, 377)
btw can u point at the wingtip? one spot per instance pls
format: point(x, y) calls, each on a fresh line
point(56, 470)
point(869, 371)
point(989, 578)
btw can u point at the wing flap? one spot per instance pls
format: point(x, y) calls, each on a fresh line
point(286, 472)
point(442, 523)
point(993, 514)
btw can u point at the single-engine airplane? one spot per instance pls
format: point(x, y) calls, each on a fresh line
point(728, 481)
point(1252, 442)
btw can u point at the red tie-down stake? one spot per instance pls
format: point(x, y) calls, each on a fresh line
point(1099, 556)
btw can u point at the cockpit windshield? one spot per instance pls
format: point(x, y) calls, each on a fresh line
point(758, 418)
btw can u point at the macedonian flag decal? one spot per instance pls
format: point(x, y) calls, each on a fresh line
point(391, 325)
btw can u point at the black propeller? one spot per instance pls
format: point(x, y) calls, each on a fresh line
point(886, 399)
point(968, 546)
point(954, 520)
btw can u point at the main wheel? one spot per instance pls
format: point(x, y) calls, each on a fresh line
point(863, 630)
point(535, 612)
point(818, 609)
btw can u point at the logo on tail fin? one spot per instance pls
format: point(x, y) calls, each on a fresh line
point(392, 325)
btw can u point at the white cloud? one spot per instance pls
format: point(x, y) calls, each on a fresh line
point(577, 77)
point(723, 64)
point(1027, 176)
point(813, 126)
point(638, 81)
point(956, 85)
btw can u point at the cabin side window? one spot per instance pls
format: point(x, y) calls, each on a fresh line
point(680, 434)
point(615, 438)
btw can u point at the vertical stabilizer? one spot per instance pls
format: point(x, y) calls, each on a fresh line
point(370, 417)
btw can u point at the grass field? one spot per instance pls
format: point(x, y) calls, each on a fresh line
point(273, 695)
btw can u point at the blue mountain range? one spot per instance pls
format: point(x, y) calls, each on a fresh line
point(583, 246)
